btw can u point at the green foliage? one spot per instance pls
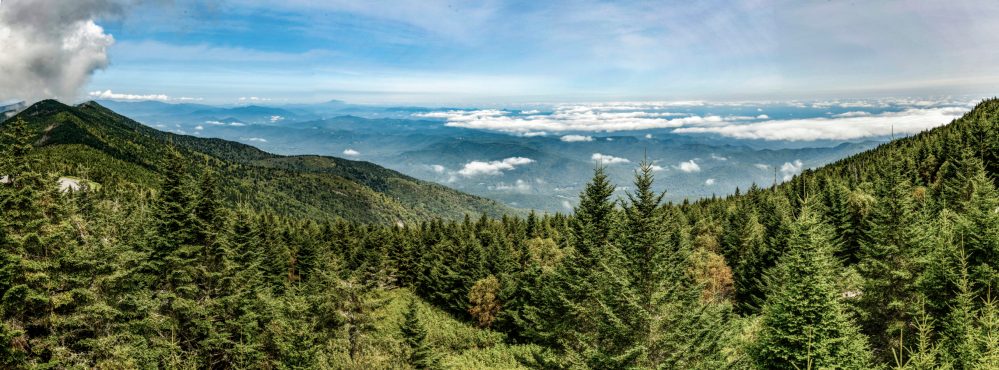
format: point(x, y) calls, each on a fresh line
point(805, 324)
point(203, 253)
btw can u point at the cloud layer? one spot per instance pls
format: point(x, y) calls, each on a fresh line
point(110, 95)
point(840, 127)
point(853, 119)
point(579, 118)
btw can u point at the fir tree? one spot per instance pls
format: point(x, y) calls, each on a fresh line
point(419, 353)
point(804, 322)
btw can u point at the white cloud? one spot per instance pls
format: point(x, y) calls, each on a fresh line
point(492, 168)
point(596, 118)
point(110, 95)
point(576, 138)
point(657, 168)
point(276, 118)
point(608, 159)
point(852, 114)
point(789, 169)
point(463, 114)
point(533, 134)
point(217, 123)
point(237, 124)
point(351, 152)
point(252, 99)
point(260, 139)
point(718, 157)
point(709, 182)
point(199, 127)
point(51, 48)
point(567, 205)
point(531, 111)
point(438, 168)
point(909, 121)
point(689, 166)
point(762, 166)
point(648, 136)
point(763, 116)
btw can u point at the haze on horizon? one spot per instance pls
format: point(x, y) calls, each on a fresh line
point(494, 52)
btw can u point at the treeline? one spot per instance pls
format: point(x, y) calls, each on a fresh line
point(883, 260)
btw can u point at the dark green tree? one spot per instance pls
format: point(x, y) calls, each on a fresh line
point(804, 323)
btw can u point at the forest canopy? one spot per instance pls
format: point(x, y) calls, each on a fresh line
point(198, 253)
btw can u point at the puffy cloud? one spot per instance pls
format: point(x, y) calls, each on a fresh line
point(689, 166)
point(259, 139)
point(276, 118)
point(789, 169)
point(199, 127)
point(762, 166)
point(52, 47)
point(709, 182)
point(491, 168)
point(657, 168)
point(909, 121)
point(648, 136)
point(608, 159)
point(763, 116)
point(351, 152)
point(576, 138)
point(437, 168)
point(567, 205)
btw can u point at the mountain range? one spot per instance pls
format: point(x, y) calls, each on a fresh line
point(548, 170)
point(92, 142)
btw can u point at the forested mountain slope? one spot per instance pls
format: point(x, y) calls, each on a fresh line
point(93, 142)
point(883, 260)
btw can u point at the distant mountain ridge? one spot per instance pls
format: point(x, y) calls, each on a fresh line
point(97, 144)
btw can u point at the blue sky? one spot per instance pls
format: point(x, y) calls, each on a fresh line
point(506, 52)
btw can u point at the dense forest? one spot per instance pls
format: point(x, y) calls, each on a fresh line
point(886, 259)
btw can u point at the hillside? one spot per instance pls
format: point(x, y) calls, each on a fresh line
point(92, 142)
point(886, 259)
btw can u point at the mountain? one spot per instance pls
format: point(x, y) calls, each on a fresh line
point(94, 143)
point(888, 253)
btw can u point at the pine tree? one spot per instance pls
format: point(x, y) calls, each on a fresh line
point(171, 270)
point(756, 256)
point(887, 264)
point(804, 322)
point(419, 353)
point(24, 250)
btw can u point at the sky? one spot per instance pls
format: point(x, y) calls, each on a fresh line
point(494, 52)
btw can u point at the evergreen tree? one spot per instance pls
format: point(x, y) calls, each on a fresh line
point(805, 324)
point(419, 354)
point(887, 264)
